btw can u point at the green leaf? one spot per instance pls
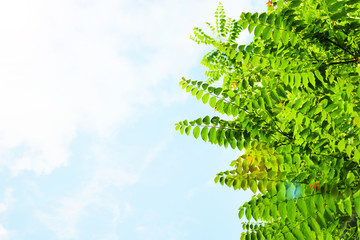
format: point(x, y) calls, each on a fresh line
point(273, 211)
point(212, 102)
point(220, 135)
point(188, 130)
point(291, 210)
point(258, 30)
point(204, 133)
point(341, 206)
point(348, 206)
point(293, 39)
point(205, 98)
point(319, 76)
point(261, 102)
point(217, 91)
point(341, 145)
point(251, 27)
point(262, 17)
point(285, 37)
point(205, 86)
point(280, 90)
point(235, 110)
point(268, 101)
point(182, 128)
point(194, 91)
point(289, 236)
point(184, 85)
point(275, 96)
point(206, 120)
point(306, 231)
point(220, 105)
point(212, 135)
point(253, 186)
point(245, 84)
point(228, 108)
point(282, 210)
point(277, 35)
point(312, 79)
point(297, 233)
point(357, 205)
point(199, 94)
point(241, 212)
point(255, 60)
point(188, 89)
point(314, 225)
point(215, 120)
point(266, 33)
point(246, 59)
point(302, 207)
point(297, 80)
point(281, 192)
point(196, 132)
point(216, 179)
point(248, 213)
point(294, 4)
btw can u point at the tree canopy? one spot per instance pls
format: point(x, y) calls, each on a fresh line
point(293, 98)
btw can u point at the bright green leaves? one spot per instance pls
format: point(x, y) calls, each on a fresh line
point(297, 233)
point(293, 91)
point(357, 205)
point(212, 102)
point(241, 212)
point(196, 132)
point(205, 98)
point(253, 186)
point(305, 229)
point(212, 135)
point(258, 30)
point(275, 96)
point(291, 210)
point(199, 94)
point(348, 206)
point(280, 90)
point(301, 205)
point(277, 35)
point(283, 210)
point(204, 133)
point(281, 192)
point(341, 145)
point(266, 33)
point(199, 121)
point(285, 37)
point(248, 214)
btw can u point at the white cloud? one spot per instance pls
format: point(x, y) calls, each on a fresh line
point(66, 216)
point(70, 66)
point(4, 234)
point(107, 178)
point(140, 228)
point(7, 201)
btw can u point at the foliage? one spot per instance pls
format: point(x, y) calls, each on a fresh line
point(293, 96)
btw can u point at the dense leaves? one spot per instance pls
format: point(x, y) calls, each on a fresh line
point(293, 97)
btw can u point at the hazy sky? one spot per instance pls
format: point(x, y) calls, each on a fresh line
point(88, 100)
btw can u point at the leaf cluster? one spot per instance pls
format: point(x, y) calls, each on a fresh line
point(293, 96)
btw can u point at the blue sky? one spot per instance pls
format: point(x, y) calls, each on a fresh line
point(88, 97)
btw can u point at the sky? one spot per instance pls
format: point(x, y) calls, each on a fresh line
point(89, 97)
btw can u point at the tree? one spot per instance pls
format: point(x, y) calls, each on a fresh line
point(293, 95)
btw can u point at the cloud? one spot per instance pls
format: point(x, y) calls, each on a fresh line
point(69, 212)
point(4, 234)
point(73, 66)
point(103, 188)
